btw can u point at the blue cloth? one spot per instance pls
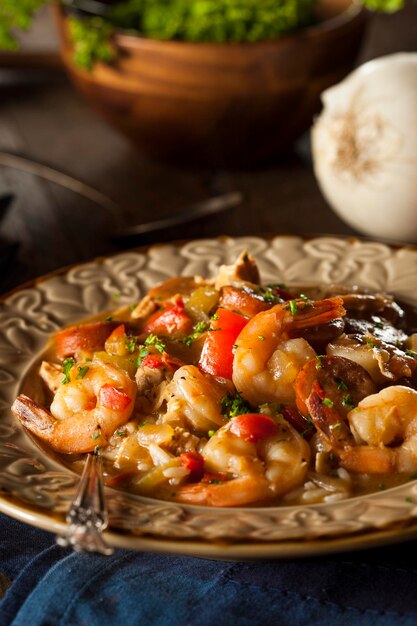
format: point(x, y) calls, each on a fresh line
point(54, 586)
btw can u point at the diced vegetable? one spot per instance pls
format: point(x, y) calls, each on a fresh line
point(161, 434)
point(127, 363)
point(202, 302)
point(217, 354)
point(154, 361)
point(193, 461)
point(116, 343)
point(148, 483)
point(112, 398)
point(253, 426)
point(85, 337)
point(171, 320)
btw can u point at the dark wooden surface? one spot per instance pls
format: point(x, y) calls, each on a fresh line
point(44, 119)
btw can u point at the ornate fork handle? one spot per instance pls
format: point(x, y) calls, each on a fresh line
point(87, 516)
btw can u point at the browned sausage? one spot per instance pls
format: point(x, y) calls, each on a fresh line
point(344, 383)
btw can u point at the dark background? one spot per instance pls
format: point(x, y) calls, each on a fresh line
point(44, 119)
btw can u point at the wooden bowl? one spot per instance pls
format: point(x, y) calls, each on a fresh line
point(227, 104)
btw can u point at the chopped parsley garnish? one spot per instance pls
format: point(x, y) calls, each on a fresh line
point(116, 295)
point(319, 364)
point(233, 405)
point(377, 322)
point(411, 353)
point(306, 300)
point(96, 436)
point(67, 366)
point(132, 307)
point(108, 318)
point(292, 307)
point(215, 317)
point(310, 427)
point(347, 401)
point(215, 482)
point(261, 337)
point(82, 371)
point(341, 385)
point(96, 449)
point(269, 294)
point(327, 402)
point(131, 343)
point(200, 327)
point(120, 433)
point(370, 342)
point(210, 433)
point(153, 340)
point(143, 352)
point(198, 330)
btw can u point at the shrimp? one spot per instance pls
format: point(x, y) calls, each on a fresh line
point(249, 469)
point(195, 398)
point(377, 436)
point(267, 356)
point(384, 426)
point(85, 412)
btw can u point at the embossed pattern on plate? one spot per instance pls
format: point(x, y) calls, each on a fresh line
point(35, 487)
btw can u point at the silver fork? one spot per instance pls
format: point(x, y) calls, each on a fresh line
point(87, 516)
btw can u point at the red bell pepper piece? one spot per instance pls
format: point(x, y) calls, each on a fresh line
point(172, 319)
point(112, 398)
point(193, 462)
point(154, 361)
point(217, 354)
point(253, 426)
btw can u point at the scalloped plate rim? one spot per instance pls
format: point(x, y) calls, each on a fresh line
point(212, 549)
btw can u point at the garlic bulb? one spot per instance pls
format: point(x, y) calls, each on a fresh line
point(365, 147)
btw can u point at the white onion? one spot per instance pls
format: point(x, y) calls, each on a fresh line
point(365, 147)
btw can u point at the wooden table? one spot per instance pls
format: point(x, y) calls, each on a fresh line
point(44, 119)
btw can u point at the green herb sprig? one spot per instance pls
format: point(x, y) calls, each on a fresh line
point(233, 405)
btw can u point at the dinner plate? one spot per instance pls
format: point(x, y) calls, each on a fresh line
point(37, 487)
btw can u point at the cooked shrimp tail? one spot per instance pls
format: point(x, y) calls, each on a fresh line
point(305, 314)
point(253, 458)
point(33, 416)
point(270, 353)
point(369, 459)
point(237, 492)
point(85, 411)
point(55, 432)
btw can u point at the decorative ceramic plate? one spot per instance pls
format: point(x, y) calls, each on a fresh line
point(37, 488)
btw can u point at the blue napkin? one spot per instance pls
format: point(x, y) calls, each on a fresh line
point(54, 586)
